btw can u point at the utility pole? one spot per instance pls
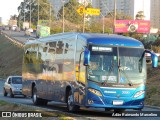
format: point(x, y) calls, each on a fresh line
point(114, 20)
point(38, 13)
point(24, 7)
point(103, 24)
point(30, 14)
point(84, 15)
point(50, 15)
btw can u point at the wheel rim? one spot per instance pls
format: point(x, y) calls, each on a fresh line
point(70, 102)
point(34, 96)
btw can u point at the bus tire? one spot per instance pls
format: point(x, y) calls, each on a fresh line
point(70, 105)
point(35, 99)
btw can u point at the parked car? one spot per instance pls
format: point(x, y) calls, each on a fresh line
point(13, 86)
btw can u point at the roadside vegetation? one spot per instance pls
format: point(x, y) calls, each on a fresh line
point(46, 115)
point(11, 64)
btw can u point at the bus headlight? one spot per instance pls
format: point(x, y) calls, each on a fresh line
point(98, 93)
point(139, 93)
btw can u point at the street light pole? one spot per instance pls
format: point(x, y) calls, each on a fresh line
point(114, 21)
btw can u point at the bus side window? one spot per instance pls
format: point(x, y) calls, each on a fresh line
point(59, 47)
point(52, 47)
point(66, 48)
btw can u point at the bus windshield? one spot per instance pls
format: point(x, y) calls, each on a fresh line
point(117, 65)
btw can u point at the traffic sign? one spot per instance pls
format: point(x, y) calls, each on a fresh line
point(93, 11)
point(81, 10)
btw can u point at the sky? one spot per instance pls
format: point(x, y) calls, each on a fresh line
point(8, 8)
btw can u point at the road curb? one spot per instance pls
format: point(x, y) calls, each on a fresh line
point(155, 107)
point(13, 40)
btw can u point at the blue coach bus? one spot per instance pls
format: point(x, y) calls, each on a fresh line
point(85, 69)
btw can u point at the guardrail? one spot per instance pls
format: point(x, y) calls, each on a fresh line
point(14, 41)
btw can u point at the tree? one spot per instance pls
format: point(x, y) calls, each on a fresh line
point(140, 15)
point(119, 16)
point(44, 9)
point(13, 17)
point(70, 13)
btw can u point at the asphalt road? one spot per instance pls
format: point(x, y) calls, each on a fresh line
point(20, 36)
point(92, 113)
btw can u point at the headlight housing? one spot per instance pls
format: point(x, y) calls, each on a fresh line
point(139, 93)
point(96, 92)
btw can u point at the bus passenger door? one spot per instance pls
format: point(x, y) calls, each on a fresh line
point(80, 73)
point(81, 79)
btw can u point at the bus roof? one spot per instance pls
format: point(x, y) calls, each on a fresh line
point(93, 38)
point(111, 39)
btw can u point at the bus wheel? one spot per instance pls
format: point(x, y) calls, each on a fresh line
point(36, 101)
point(70, 106)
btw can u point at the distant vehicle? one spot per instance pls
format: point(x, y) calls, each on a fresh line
point(13, 86)
point(86, 70)
point(14, 27)
point(25, 25)
point(42, 31)
point(28, 32)
point(6, 28)
point(17, 29)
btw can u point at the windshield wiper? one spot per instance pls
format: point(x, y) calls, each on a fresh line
point(122, 71)
point(110, 70)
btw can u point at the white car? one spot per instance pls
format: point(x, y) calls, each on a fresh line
point(14, 27)
point(13, 86)
point(28, 32)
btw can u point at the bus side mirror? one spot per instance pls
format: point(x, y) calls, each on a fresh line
point(154, 58)
point(86, 57)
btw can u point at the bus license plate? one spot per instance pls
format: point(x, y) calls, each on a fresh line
point(117, 102)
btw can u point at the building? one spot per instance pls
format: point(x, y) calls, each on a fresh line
point(128, 7)
point(155, 13)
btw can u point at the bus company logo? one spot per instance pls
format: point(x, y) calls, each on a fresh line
point(6, 114)
point(111, 92)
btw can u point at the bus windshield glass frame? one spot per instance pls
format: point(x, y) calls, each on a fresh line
point(116, 65)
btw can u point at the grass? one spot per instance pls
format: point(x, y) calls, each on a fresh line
point(49, 115)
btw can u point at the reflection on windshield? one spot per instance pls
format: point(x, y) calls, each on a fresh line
point(16, 80)
point(117, 66)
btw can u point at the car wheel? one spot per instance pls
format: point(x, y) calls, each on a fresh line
point(4, 92)
point(11, 94)
point(35, 99)
point(70, 105)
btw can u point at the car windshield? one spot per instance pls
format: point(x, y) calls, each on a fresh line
point(16, 80)
point(117, 65)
